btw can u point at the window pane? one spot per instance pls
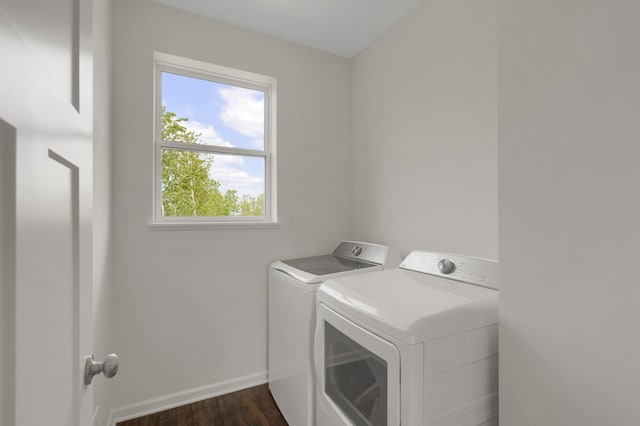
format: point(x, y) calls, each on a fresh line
point(205, 112)
point(205, 184)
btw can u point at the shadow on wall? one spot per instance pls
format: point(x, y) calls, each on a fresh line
point(7, 271)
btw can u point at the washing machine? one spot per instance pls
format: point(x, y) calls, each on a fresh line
point(416, 345)
point(292, 292)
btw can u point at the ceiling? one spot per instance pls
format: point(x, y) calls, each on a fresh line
point(342, 27)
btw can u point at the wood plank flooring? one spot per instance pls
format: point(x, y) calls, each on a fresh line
point(248, 407)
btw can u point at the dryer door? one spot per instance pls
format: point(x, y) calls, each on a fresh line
point(358, 373)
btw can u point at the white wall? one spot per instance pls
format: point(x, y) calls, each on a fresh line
point(102, 227)
point(569, 104)
point(190, 306)
point(424, 129)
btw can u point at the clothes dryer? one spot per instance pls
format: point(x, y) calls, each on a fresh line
point(416, 345)
point(292, 292)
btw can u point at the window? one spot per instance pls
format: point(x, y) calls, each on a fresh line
point(214, 144)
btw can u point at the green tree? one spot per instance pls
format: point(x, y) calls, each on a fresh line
point(187, 188)
point(252, 206)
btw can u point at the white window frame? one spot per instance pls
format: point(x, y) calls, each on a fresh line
point(201, 70)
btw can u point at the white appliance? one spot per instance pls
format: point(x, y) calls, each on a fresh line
point(292, 292)
point(416, 345)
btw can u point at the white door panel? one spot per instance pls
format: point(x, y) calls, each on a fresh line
point(45, 95)
point(50, 29)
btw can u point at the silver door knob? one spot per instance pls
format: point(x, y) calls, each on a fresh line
point(109, 367)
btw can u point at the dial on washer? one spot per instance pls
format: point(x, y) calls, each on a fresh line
point(446, 266)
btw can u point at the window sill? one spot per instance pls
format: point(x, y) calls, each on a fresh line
point(185, 226)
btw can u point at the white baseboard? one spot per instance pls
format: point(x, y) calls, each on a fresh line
point(154, 405)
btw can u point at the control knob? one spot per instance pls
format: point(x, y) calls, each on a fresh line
point(446, 266)
point(356, 250)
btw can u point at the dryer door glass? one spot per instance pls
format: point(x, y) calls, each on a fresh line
point(355, 379)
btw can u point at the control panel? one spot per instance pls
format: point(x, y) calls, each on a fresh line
point(472, 270)
point(367, 252)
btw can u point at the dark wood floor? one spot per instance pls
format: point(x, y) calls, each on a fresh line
point(248, 407)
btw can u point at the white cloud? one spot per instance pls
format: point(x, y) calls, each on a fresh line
point(209, 134)
point(243, 111)
point(228, 170)
point(228, 160)
point(241, 181)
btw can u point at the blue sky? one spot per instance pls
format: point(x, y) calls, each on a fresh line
point(226, 116)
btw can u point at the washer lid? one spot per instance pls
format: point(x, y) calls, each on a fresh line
point(327, 264)
point(316, 269)
point(411, 306)
point(350, 257)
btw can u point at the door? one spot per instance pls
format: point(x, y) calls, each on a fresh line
point(46, 118)
point(358, 373)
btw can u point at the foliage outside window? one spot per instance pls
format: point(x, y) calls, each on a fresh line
point(214, 144)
